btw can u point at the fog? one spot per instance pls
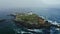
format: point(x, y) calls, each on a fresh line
point(30, 3)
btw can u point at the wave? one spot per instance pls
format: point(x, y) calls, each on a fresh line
point(52, 22)
point(55, 22)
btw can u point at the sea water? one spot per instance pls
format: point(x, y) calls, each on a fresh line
point(9, 27)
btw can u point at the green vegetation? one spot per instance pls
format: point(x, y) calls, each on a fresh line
point(32, 21)
point(27, 18)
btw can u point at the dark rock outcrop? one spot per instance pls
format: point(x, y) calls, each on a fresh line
point(2, 20)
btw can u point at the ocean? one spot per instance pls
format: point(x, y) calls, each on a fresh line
point(9, 27)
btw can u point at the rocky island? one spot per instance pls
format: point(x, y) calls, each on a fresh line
point(32, 21)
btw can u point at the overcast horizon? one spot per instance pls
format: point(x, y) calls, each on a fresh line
point(30, 3)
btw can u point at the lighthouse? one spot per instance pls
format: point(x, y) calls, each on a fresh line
point(30, 13)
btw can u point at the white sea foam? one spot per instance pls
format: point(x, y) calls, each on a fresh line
point(42, 17)
point(24, 32)
point(17, 31)
point(54, 23)
point(35, 30)
point(57, 28)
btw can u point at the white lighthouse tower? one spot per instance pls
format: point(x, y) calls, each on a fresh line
point(30, 13)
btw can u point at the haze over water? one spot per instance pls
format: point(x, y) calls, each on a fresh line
point(50, 9)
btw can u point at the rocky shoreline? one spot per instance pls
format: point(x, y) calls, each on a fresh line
point(41, 24)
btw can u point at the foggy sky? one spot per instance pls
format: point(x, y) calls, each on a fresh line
point(29, 3)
